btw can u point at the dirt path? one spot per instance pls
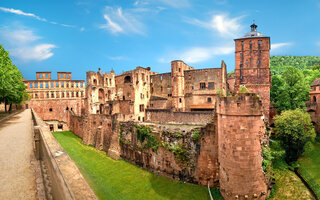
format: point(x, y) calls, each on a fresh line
point(17, 175)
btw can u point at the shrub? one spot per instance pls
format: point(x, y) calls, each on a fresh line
point(294, 129)
point(144, 133)
point(195, 135)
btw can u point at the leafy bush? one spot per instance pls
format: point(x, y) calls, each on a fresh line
point(180, 152)
point(144, 133)
point(243, 89)
point(267, 159)
point(294, 129)
point(195, 135)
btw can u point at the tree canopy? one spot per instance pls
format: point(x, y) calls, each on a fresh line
point(294, 128)
point(12, 88)
point(290, 90)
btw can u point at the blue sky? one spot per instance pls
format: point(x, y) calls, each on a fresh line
point(83, 35)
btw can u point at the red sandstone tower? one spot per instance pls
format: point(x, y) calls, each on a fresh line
point(252, 66)
point(240, 135)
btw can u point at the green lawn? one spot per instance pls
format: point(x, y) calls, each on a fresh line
point(310, 165)
point(118, 179)
point(288, 185)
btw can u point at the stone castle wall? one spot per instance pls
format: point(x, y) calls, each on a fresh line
point(241, 132)
point(55, 109)
point(169, 116)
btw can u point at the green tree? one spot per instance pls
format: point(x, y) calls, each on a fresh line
point(12, 89)
point(294, 128)
point(290, 91)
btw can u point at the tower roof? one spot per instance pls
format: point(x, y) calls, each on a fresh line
point(253, 33)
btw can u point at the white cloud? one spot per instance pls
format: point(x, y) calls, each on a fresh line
point(24, 44)
point(118, 21)
point(222, 24)
point(280, 45)
point(38, 52)
point(20, 12)
point(82, 29)
point(200, 54)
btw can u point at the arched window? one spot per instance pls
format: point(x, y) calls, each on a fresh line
point(314, 99)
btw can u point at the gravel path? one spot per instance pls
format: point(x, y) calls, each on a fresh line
point(17, 174)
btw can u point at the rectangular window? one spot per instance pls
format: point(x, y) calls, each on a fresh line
point(141, 108)
point(40, 76)
point(31, 85)
point(209, 100)
point(67, 76)
point(47, 85)
point(47, 76)
point(57, 84)
point(211, 85)
point(61, 76)
point(52, 85)
point(179, 69)
point(180, 100)
point(250, 45)
point(241, 56)
point(202, 85)
point(36, 85)
point(41, 85)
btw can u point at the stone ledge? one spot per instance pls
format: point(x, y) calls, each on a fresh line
point(66, 180)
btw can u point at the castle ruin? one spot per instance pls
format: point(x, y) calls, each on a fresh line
point(220, 146)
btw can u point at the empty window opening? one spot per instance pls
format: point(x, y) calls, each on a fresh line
point(47, 76)
point(209, 100)
point(36, 85)
point(67, 76)
point(202, 85)
point(211, 85)
point(51, 85)
point(47, 95)
point(51, 127)
point(47, 85)
point(180, 100)
point(30, 85)
point(61, 75)
point(41, 85)
point(67, 108)
point(60, 126)
point(70, 108)
point(179, 69)
point(50, 109)
point(95, 81)
point(141, 108)
point(40, 76)
point(52, 95)
point(127, 79)
point(57, 84)
point(250, 45)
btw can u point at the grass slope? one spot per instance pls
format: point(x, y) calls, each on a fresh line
point(117, 179)
point(310, 166)
point(288, 185)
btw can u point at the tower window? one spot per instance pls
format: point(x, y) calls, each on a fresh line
point(179, 69)
point(242, 45)
point(241, 56)
point(250, 45)
point(258, 62)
